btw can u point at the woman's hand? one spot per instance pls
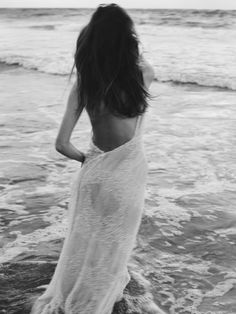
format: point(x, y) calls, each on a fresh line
point(70, 151)
point(82, 162)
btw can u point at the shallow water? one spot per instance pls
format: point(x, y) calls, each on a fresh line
point(186, 243)
point(185, 258)
point(185, 46)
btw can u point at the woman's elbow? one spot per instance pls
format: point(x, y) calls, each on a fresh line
point(59, 146)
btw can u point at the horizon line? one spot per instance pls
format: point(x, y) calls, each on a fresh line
point(128, 8)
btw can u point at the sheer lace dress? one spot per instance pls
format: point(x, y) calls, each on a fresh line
point(104, 216)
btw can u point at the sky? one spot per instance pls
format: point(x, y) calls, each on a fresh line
point(175, 4)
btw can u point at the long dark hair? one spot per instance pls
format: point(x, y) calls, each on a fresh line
point(107, 63)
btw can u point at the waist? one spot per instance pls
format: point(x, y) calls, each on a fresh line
point(132, 149)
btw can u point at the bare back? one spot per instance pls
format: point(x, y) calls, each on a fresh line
point(110, 131)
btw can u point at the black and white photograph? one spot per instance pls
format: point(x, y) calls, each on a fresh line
point(118, 157)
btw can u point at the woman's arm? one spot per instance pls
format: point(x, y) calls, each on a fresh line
point(148, 71)
point(71, 116)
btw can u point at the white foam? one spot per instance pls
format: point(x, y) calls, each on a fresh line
point(221, 288)
point(180, 54)
point(28, 242)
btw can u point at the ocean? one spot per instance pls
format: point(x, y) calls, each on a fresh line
point(185, 258)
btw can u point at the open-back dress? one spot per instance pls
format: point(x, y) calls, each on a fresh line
point(104, 215)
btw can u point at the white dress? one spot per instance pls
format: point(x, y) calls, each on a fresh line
point(104, 216)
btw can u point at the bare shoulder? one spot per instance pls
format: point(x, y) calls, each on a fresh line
point(148, 71)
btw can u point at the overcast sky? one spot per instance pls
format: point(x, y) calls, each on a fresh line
point(188, 4)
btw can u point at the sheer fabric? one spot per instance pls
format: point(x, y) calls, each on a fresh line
point(104, 216)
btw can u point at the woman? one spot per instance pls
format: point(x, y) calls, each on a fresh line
point(107, 198)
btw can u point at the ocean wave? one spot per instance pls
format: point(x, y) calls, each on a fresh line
point(46, 27)
point(54, 67)
point(177, 22)
point(215, 83)
point(64, 69)
point(193, 18)
point(4, 63)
